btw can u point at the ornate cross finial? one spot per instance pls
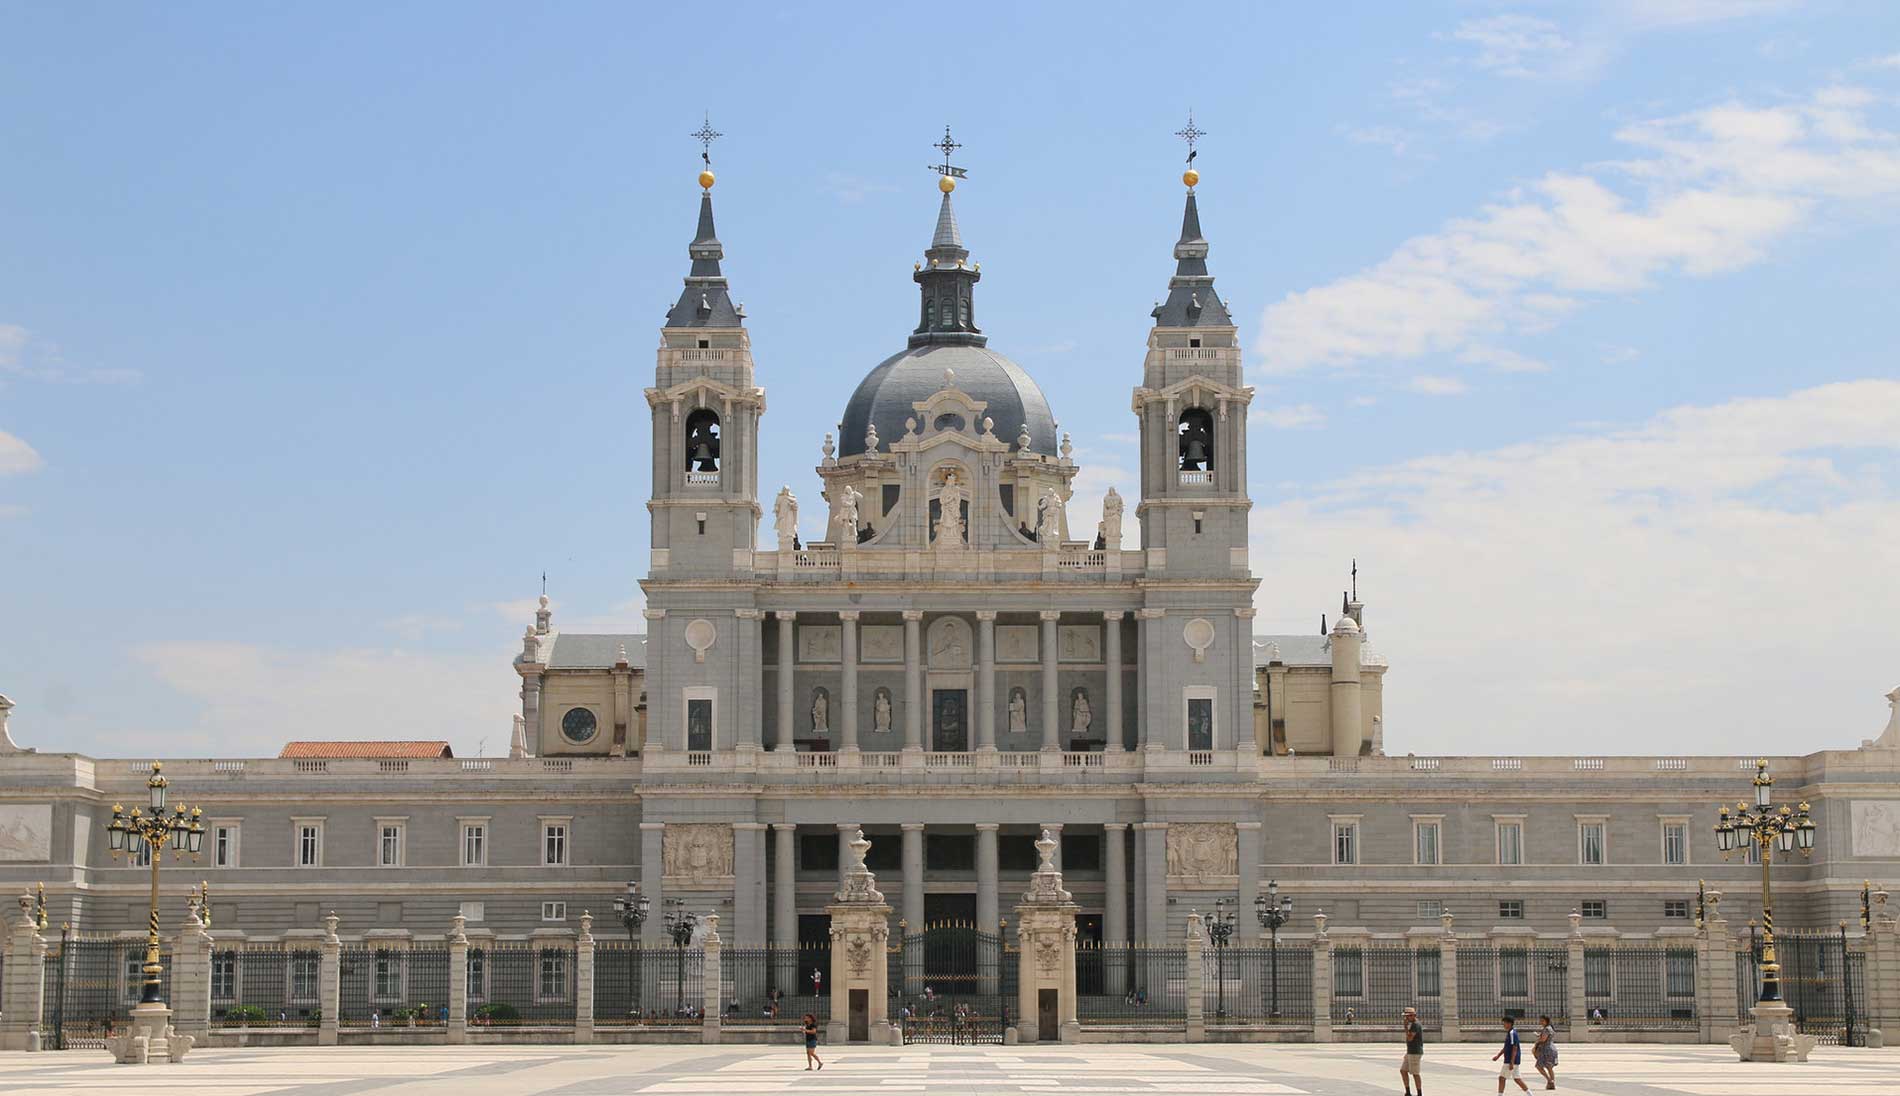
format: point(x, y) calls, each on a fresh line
point(706, 135)
point(947, 146)
point(1190, 134)
point(1355, 578)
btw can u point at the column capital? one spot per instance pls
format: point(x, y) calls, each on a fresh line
point(989, 826)
point(748, 825)
point(1051, 614)
point(1151, 825)
point(910, 825)
point(652, 825)
point(1057, 826)
point(1247, 825)
point(749, 614)
point(653, 614)
point(849, 616)
point(1114, 825)
point(784, 826)
point(1246, 613)
point(1112, 614)
point(911, 615)
point(1150, 614)
point(847, 827)
point(787, 615)
point(986, 615)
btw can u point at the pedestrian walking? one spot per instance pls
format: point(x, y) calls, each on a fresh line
point(811, 1043)
point(1544, 1052)
point(1414, 1052)
point(1512, 1054)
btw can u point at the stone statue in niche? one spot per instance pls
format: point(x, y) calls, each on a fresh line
point(1018, 711)
point(696, 850)
point(881, 711)
point(1081, 715)
point(820, 712)
point(950, 498)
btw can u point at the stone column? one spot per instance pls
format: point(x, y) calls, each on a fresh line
point(711, 983)
point(23, 994)
point(749, 624)
point(848, 701)
point(583, 980)
point(787, 702)
point(1045, 928)
point(652, 868)
point(1242, 704)
point(986, 679)
point(329, 982)
point(1196, 981)
point(913, 679)
point(1051, 684)
point(1247, 849)
point(1115, 903)
point(1448, 1021)
point(1112, 655)
point(987, 909)
point(860, 937)
point(914, 875)
point(1580, 1031)
point(191, 979)
point(1153, 883)
point(847, 832)
point(748, 884)
point(1322, 981)
point(785, 906)
point(458, 981)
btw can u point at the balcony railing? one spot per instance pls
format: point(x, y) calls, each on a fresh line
point(1191, 477)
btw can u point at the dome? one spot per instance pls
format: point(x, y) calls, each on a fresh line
point(885, 396)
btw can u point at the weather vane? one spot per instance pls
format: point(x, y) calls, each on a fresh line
point(706, 135)
point(947, 146)
point(1190, 134)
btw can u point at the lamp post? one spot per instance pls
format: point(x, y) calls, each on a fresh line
point(680, 925)
point(1273, 910)
point(632, 908)
point(136, 834)
point(1220, 929)
point(1768, 828)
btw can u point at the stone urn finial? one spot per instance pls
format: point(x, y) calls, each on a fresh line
point(1319, 922)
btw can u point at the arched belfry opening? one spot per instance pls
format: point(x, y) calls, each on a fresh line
point(702, 440)
point(1196, 430)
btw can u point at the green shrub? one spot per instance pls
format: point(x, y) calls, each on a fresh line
point(499, 1012)
point(246, 1014)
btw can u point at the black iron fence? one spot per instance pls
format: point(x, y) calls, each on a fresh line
point(1516, 980)
point(950, 983)
point(1136, 984)
point(1373, 984)
point(636, 985)
point(1255, 986)
point(1640, 987)
point(90, 988)
point(270, 987)
point(382, 986)
point(527, 983)
point(1823, 980)
point(768, 985)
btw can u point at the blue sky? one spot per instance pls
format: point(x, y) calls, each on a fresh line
point(323, 333)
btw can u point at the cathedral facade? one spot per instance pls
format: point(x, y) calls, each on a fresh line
point(940, 651)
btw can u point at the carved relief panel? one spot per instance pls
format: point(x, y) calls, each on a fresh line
point(698, 850)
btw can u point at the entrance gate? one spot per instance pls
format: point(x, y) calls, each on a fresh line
point(91, 986)
point(958, 984)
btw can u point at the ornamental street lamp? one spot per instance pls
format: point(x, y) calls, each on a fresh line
point(1766, 828)
point(632, 908)
point(138, 835)
point(1273, 910)
point(681, 923)
point(1220, 929)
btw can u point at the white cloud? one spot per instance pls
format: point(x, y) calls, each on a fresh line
point(1502, 360)
point(1292, 417)
point(1391, 138)
point(16, 456)
point(1701, 582)
point(29, 357)
point(255, 698)
point(1515, 45)
point(1710, 192)
point(1436, 386)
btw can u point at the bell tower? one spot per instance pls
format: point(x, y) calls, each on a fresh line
point(1192, 406)
point(705, 407)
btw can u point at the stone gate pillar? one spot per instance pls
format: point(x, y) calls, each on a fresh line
point(1715, 973)
point(458, 981)
point(329, 983)
point(1448, 1022)
point(1322, 980)
point(1883, 969)
point(860, 933)
point(23, 994)
point(191, 978)
point(1196, 970)
point(583, 980)
point(1580, 1029)
point(712, 982)
point(1045, 931)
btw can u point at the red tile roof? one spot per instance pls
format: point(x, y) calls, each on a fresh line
point(366, 749)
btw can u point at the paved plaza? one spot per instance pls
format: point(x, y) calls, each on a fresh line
point(1212, 1069)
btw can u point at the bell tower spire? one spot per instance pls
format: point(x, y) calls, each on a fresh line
point(946, 280)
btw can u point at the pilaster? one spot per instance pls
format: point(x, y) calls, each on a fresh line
point(913, 679)
point(787, 678)
point(1154, 881)
point(1112, 688)
point(652, 871)
point(848, 684)
point(1051, 683)
point(748, 884)
point(986, 679)
point(1247, 849)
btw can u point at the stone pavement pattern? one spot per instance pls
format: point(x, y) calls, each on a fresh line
point(1212, 1069)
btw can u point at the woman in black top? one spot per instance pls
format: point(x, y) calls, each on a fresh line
point(811, 1042)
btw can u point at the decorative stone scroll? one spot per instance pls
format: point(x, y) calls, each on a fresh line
point(696, 850)
point(1202, 849)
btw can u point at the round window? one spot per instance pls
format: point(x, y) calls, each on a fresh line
point(578, 725)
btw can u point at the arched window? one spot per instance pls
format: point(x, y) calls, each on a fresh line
point(702, 441)
point(1197, 440)
point(930, 313)
point(969, 318)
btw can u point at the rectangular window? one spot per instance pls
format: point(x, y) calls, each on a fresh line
point(818, 852)
point(554, 911)
point(1675, 843)
point(1596, 909)
point(1590, 843)
point(1510, 842)
point(1200, 723)
point(699, 724)
point(1511, 909)
point(553, 983)
point(310, 844)
point(1425, 844)
point(1430, 909)
point(224, 979)
point(1345, 842)
point(1426, 967)
point(474, 844)
point(224, 846)
point(1676, 908)
point(1679, 973)
point(386, 970)
point(477, 975)
point(1349, 973)
point(1514, 973)
point(554, 844)
point(389, 845)
point(303, 977)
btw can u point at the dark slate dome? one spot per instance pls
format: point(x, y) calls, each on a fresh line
point(885, 396)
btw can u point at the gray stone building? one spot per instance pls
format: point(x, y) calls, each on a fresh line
point(947, 655)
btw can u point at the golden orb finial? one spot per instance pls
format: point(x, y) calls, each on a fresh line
point(946, 184)
point(706, 179)
point(1190, 177)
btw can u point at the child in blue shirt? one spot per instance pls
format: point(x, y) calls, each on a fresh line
point(1512, 1054)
